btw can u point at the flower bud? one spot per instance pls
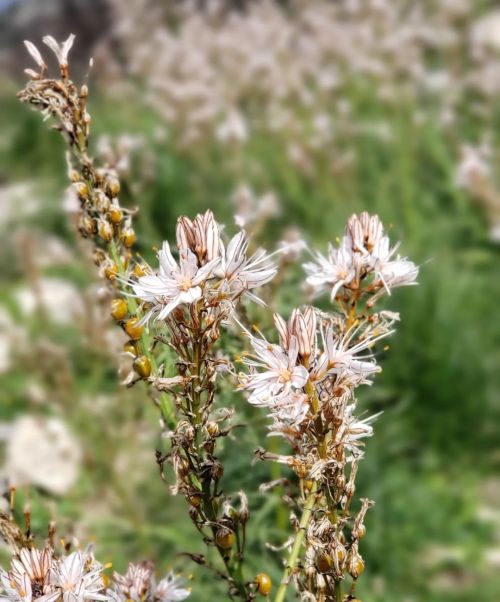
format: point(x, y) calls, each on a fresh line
point(264, 583)
point(130, 347)
point(142, 366)
point(134, 329)
point(195, 499)
point(119, 309)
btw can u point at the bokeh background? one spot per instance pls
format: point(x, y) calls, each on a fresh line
point(292, 115)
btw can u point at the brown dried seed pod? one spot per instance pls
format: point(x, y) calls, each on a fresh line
point(224, 538)
point(112, 186)
point(105, 231)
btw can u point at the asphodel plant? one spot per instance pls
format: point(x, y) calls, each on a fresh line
point(175, 315)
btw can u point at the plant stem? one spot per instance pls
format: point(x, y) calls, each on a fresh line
point(165, 404)
point(338, 591)
point(297, 544)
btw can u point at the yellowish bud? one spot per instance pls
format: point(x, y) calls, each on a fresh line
point(142, 366)
point(264, 584)
point(134, 329)
point(115, 214)
point(224, 538)
point(119, 309)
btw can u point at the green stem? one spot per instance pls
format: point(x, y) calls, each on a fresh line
point(145, 340)
point(338, 591)
point(297, 545)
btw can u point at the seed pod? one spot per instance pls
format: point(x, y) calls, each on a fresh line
point(101, 201)
point(130, 347)
point(264, 584)
point(129, 237)
point(142, 366)
point(134, 329)
point(105, 231)
point(213, 429)
point(88, 225)
point(115, 214)
point(359, 531)
point(356, 564)
point(224, 538)
point(119, 309)
point(112, 186)
point(111, 272)
point(324, 563)
point(195, 499)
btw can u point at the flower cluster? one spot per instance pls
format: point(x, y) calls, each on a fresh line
point(174, 317)
point(207, 270)
point(308, 384)
point(77, 576)
point(364, 254)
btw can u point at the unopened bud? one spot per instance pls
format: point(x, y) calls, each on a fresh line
point(142, 366)
point(119, 309)
point(134, 329)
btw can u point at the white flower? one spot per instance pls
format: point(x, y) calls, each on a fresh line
point(175, 284)
point(169, 589)
point(288, 413)
point(341, 359)
point(353, 429)
point(279, 373)
point(79, 577)
point(240, 272)
point(392, 272)
point(335, 270)
point(139, 585)
point(60, 50)
point(29, 577)
point(35, 54)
